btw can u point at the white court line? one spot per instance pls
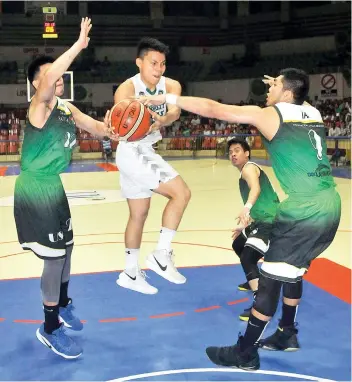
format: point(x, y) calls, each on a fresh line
point(219, 370)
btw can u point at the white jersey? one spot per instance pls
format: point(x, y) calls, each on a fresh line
point(299, 113)
point(140, 89)
point(141, 168)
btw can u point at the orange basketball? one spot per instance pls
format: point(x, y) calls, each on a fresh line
point(130, 119)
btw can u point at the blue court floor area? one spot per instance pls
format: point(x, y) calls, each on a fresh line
point(127, 333)
point(80, 166)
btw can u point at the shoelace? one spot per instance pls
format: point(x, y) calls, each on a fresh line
point(62, 337)
point(171, 256)
point(227, 353)
point(143, 274)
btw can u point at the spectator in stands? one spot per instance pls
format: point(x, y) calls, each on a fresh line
point(207, 130)
point(186, 131)
point(106, 62)
point(334, 131)
point(4, 124)
point(195, 120)
point(107, 150)
point(344, 130)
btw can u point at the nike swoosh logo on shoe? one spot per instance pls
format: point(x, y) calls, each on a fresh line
point(132, 278)
point(161, 267)
point(46, 342)
point(64, 322)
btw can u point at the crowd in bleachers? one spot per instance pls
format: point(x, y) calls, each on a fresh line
point(336, 115)
point(9, 133)
point(195, 125)
point(191, 125)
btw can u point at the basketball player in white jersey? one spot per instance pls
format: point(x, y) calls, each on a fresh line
point(143, 172)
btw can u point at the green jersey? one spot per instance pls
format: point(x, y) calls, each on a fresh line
point(265, 207)
point(48, 151)
point(298, 150)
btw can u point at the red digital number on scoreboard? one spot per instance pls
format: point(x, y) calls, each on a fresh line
point(49, 29)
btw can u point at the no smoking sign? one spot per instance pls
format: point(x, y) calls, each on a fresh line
point(328, 81)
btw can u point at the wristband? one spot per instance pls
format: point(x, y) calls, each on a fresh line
point(171, 99)
point(248, 205)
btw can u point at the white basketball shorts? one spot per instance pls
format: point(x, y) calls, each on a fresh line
point(141, 170)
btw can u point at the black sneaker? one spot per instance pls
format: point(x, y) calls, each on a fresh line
point(244, 287)
point(284, 339)
point(244, 316)
point(232, 356)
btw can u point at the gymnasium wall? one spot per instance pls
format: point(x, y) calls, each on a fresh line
point(329, 85)
point(23, 54)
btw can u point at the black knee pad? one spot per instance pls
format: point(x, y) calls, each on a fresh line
point(267, 297)
point(293, 290)
point(238, 245)
point(249, 260)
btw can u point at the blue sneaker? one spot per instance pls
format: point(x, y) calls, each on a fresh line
point(68, 319)
point(59, 342)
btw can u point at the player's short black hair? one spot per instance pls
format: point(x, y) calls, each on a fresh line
point(297, 81)
point(242, 143)
point(147, 44)
point(34, 66)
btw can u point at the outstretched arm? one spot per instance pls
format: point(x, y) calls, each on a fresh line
point(173, 111)
point(250, 174)
point(87, 123)
point(266, 120)
point(46, 90)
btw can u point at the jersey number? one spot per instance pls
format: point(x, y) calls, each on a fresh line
point(315, 140)
point(69, 142)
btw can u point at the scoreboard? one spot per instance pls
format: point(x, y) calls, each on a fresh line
point(49, 22)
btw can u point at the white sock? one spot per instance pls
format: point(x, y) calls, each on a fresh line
point(132, 256)
point(165, 238)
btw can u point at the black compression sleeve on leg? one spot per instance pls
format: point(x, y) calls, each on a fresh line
point(293, 290)
point(238, 245)
point(267, 297)
point(249, 260)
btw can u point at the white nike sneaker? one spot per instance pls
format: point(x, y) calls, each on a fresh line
point(137, 283)
point(162, 263)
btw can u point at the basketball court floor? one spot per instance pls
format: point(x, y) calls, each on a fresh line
point(130, 336)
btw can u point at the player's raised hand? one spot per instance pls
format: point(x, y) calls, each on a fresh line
point(268, 80)
point(236, 232)
point(108, 129)
point(244, 218)
point(159, 121)
point(86, 26)
point(152, 100)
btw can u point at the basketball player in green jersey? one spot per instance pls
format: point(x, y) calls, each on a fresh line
point(305, 223)
point(41, 210)
point(251, 241)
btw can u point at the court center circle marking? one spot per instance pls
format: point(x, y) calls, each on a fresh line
point(220, 370)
